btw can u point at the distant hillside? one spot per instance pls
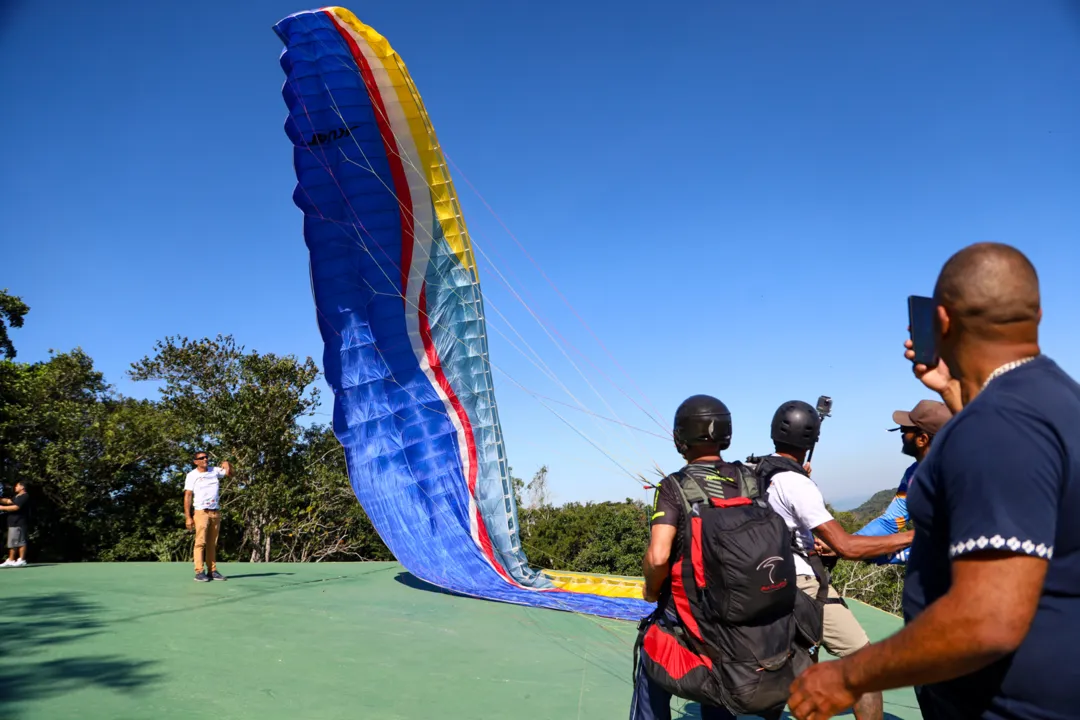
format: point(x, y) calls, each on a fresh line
point(875, 505)
point(852, 520)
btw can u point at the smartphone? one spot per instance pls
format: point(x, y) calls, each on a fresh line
point(921, 314)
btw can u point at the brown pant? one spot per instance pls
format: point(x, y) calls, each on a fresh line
point(207, 523)
point(843, 633)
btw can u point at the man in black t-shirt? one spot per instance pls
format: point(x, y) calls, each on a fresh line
point(992, 593)
point(18, 526)
point(702, 430)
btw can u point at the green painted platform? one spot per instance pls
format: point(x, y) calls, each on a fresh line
point(307, 642)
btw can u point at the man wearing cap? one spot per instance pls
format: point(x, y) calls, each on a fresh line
point(917, 430)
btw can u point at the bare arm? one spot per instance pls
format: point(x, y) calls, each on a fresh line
point(187, 508)
point(985, 616)
point(859, 547)
point(9, 507)
point(655, 564)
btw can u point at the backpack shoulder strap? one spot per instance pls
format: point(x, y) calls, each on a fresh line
point(773, 464)
point(748, 482)
point(690, 491)
point(699, 484)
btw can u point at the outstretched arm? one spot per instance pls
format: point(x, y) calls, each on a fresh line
point(860, 547)
point(891, 521)
point(804, 499)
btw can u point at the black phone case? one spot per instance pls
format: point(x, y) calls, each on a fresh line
point(923, 355)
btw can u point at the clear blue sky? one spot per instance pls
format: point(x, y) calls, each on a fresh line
point(737, 197)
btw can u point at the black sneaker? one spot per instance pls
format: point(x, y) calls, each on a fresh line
point(202, 577)
point(218, 576)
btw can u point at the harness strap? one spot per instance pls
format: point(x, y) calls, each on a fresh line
point(691, 492)
point(748, 484)
point(822, 576)
point(643, 627)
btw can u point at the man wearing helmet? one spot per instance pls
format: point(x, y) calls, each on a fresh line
point(702, 430)
point(797, 499)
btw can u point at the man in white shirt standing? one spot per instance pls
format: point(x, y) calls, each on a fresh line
point(796, 498)
point(201, 490)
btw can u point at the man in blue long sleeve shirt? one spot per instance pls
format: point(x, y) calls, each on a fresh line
point(918, 428)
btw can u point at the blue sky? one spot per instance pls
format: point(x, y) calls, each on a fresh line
point(737, 197)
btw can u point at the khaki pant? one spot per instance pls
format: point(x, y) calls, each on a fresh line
point(207, 523)
point(843, 633)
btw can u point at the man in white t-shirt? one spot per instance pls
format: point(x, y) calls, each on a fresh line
point(201, 489)
point(797, 499)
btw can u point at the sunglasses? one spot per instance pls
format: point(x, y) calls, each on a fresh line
point(201, 457)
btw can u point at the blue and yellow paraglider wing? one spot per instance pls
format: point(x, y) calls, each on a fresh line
point(402, 319)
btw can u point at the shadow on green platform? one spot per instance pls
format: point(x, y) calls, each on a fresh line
point(318, 640)
point(58, 621)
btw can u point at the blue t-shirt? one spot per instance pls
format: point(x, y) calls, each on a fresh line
point(1005, 474)
point(893, 520)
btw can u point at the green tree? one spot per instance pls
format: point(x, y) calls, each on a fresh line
point(108, 471)
point(244, 407)
point(51, 435)
point(142, 456)
point(12, 312)
point(96, 462)
point(879, 585)
point(322, 519)
point(603, 537)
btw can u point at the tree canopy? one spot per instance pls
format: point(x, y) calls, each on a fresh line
point(12, 312)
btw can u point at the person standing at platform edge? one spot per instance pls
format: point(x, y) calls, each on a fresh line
point(18, 526)
point(201, 490)
point(992, 592)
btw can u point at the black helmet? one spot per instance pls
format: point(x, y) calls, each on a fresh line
point(796, 424)
point(702, 419)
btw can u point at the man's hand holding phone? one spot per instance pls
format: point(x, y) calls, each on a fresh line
point(937, 378)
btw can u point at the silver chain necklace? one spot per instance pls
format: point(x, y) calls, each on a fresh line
point(1006, 368)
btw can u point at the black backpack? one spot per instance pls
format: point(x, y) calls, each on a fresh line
point(745, 630)
point(764, 469)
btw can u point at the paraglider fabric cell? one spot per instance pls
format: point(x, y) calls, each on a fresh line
point(398, 302)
